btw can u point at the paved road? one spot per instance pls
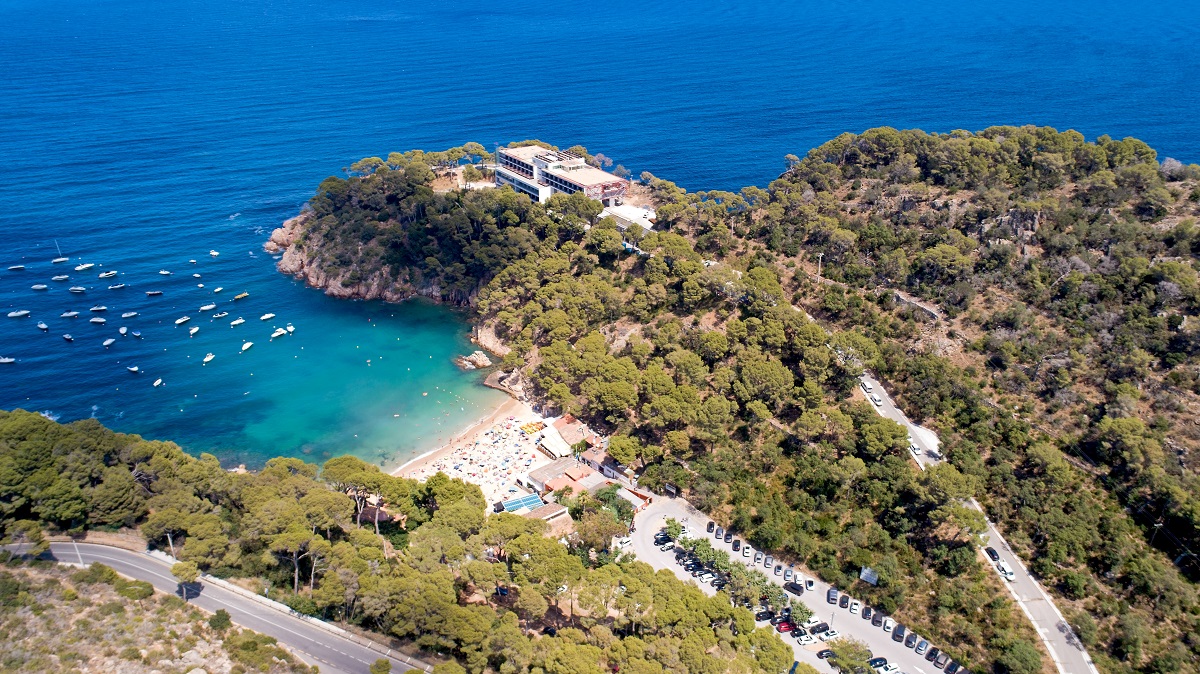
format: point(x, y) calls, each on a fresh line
point(329, 651)
point(654, 517)
point(1064, 647)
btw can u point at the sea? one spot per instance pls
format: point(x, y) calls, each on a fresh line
point(139, 136)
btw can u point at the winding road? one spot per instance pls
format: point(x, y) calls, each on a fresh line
point(319, 645)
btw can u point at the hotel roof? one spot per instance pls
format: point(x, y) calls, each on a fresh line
point(585, 175)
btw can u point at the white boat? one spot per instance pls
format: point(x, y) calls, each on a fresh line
point(20, 313)
point(129, 314)
point(116, 286)
point(42, 326)
point(213, 253)
point(7, 360)
point(68, 338)
point(133, 369)
point(99, 307)
point(153, 293)
point(98, 321)
point(60, 277)
point(181, 321)
point(199, 285)
point(60, 257)
point(69, 314)
point(218, 289)
point(237, 321)
point(107, 274)
point(208, 357)
point(279, 332)
point(192, 261)
point(266, 317)
point(193, 331)
point(136, 334)
point(195, 276)
point(157, 382)
point(17, 267)
point(122, 330)
point(109, 342)
point(78, 289)
point(221, 314)
point(208, 307)
point(40, 286)
point(84, 267)
point(164, 272)
point(247, 345)
point(290, 328)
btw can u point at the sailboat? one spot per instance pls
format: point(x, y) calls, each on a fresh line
point(40, 286)
point(129, 314)
point(60, 277)
point(60, 257)
point(17, 267)
point(78, 289)
point(84, 267)
point(21, 313)
point(181, 321)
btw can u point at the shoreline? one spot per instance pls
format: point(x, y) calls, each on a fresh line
point(510, 407)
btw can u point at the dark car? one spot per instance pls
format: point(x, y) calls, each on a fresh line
point(953, 668)
point(992, 554)
point(728, 537)
point(819, 628)
point(867, 612)
point(737, 545)
point(764, 615)
point(710, 526)
point(844, 601)
point(778, 618)
point(932, 654)
point(877, 662)
point(911, 640)
point(794, 588)
point(832, 595)
point(941, 661)
point(825, 654)
point(877, 619)
point(795, 665)
point(898, 633)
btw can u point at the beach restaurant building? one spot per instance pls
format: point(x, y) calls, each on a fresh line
point(541, 173)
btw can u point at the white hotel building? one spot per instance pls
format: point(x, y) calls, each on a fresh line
point(541, 173)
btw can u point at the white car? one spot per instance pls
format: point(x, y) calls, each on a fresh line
point(805, 640)
point(747, 551)
point(1006, 572)
point(888, 624)
point(877, 400)
point(854, 606)
point(866, 386)
point(812, 621)
point(888, 668)
point(831, 635)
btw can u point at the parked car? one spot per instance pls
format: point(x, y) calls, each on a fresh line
point(812, 620)
point(922, 646)
point(667, 547)
point(768, 561)
point(778, 569)
point(888, 624)
point(1006, 572)
point(910, 641)
point(747, 551)
point(787, 575)
point(728, 537)
point(805, 639)
point(764, 615)
point(720, 533)
point(899, 632)
point(854, 606)
point(887, 668)
point(737, 544)
point(953, 668)
point(844, 601)
point(876, 662)
point(831, 595)
point(941, 661)
point(867, 612)
point(992, 554)
point(819, 628)
point(866, 386)
point(877, 400)
point(825, 654)
point(877, 619)
point(809, 584)
point(933, 654)
point(784, 627)
point(757, 557)
point(794, 588)
point(830, 635)
point(710, 526)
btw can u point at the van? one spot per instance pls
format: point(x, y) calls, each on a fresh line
point(866, 386)
point(831, 596)
point(899, 632)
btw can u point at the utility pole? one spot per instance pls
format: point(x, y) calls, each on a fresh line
point(820, 259)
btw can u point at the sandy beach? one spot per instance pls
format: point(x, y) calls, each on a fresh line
point(488, 453)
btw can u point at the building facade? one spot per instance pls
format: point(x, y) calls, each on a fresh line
point(542, 173)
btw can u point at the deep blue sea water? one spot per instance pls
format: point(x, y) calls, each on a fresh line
point(142, 134)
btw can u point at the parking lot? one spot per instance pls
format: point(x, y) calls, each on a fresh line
point(850, 625)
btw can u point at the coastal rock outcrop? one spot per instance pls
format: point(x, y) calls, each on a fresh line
point(475, 360)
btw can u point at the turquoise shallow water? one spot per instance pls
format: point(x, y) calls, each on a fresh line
point(142, 134)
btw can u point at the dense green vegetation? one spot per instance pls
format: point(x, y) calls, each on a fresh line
point(477, 588)
point(1061, 375)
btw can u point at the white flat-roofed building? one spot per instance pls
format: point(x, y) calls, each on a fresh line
point(541, 173)
point(626, 216)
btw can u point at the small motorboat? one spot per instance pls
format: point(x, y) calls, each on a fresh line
point(68, 338)
point(266, 317)
point(98, 321)
point(157, 383)
point(59, 259)
point(39, 286)
point(290, 328)
point(60, 277)
point(208, 357)
point(164, 272)
point(195, 276)
point(193, 331)
point(208, 307)
point(69, 314)
point(122, 330)
point(199, 285)
point(99, 307)
point(247, 345)
point(137, 334)
point(116, 286)
point(78, 289)
point(221, 314)
point(42, 326)
point(133, 369)
point(279, 332)
point(192, 261)
point(17, 267)
point(218, 289)
point(84, 267)
point(129, 314)
point(242, 296)
point(107, 274)
point(181, 321)
point(213, 253)
point(109, 342)
point(153, 293)
point(20, 313)
point(237, 321)
point(7, 360)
